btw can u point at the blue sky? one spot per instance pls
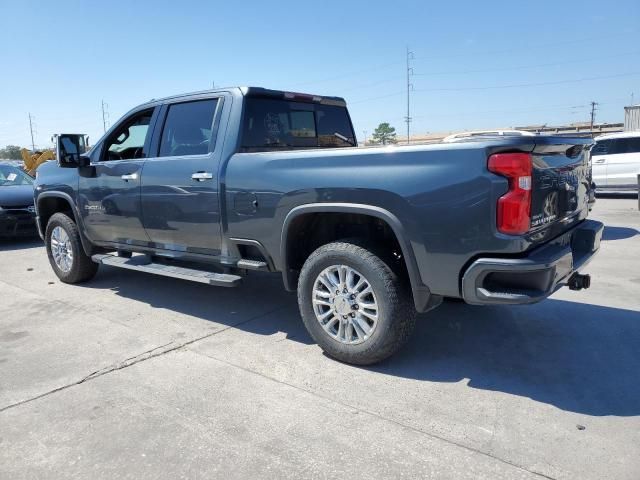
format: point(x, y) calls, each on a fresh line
point(477, 64)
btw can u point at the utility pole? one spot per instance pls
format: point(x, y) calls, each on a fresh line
point(33, 143)
point(105, 114)
point(409, 88)
point(593, 115)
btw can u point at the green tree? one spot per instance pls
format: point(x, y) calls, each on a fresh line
point(384, 134)
point(10, 152)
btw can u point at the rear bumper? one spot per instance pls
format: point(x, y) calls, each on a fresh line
point(534, 277)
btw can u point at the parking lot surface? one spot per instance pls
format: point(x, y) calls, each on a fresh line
point(137, 376)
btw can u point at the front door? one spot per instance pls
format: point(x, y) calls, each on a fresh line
point(599, 155)
point(109, 189)
point(180, 204)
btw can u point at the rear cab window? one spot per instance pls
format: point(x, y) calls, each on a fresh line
point(272, 124)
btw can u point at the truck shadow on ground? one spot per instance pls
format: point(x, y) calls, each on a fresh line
point(577, 357)
point(618, 233)
point(20, 243)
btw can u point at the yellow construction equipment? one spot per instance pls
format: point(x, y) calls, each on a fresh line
point(33, 160)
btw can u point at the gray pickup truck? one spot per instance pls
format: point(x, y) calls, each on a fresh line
point(210, 185)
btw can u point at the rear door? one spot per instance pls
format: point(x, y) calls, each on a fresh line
point(623, 165)
point(179, 193)
point(599, 155)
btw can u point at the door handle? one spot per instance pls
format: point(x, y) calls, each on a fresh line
point(131, 176)
point(600, 160)
point(201, 176)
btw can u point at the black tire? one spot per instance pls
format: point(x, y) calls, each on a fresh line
point(82, 267)
point(396, 313)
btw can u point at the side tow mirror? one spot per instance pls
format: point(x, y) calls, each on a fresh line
point(70, 147)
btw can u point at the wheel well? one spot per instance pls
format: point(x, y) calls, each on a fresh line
point(50, 205)
point(309, 231)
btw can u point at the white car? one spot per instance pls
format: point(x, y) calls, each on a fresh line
point(480, 134)
point(615, 162)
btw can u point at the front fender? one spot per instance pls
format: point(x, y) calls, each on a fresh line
point(77, 218)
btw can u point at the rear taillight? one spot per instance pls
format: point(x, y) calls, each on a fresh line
point(514, 207)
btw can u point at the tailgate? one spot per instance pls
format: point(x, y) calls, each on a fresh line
point(561, 185)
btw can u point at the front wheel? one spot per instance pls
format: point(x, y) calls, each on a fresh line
point(353, 304)
point(65, 252)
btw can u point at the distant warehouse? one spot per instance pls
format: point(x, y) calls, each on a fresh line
point(632, 118)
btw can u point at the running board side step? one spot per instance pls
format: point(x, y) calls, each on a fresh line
point(141, 263)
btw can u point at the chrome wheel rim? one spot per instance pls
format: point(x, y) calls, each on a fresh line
point(61, 249)
point(345, 304)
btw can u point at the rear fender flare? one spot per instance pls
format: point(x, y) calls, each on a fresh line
point(421, 293)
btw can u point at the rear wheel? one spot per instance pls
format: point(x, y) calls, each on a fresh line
point(353, 304)
point(65, 252)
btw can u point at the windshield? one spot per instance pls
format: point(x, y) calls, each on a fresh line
point(271, 124)
point(10, 176)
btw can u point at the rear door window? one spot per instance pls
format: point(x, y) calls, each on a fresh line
point(627, 145)
point(187, 128)
point(271, 124)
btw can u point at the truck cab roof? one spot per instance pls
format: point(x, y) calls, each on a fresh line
point(259, 92)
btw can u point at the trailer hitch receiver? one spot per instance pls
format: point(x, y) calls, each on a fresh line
point(578, 281)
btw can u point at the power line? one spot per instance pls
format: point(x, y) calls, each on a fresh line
point(526, 67)
point(346, 75)
point(373, 84)
point(519, 85)
point(536, 47)
point(576, 107)
point(518, 110)
point(465, 54)
point(487, 70)
point(493, 87)
point(395, 94)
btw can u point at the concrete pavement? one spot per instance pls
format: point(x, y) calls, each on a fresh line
point(132, 376)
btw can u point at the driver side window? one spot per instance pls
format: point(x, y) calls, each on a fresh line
point(127, 141)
